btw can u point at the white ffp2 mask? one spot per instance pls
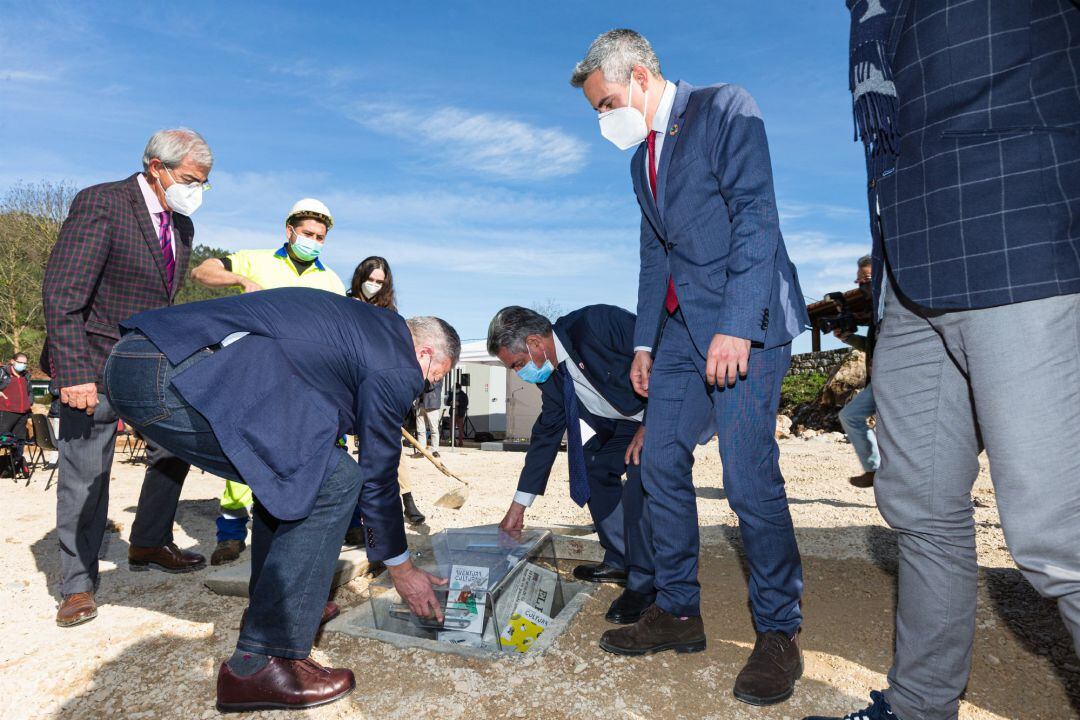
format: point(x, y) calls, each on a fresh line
point(369, 289)
point(184, 199)
point(625, 127)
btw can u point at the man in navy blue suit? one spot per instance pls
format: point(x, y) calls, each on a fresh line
point(718, 305)
point(257, 388)
point(582, 367)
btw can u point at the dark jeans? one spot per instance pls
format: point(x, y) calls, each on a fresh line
point(292, 563)
point(292, 567)
point(138, 381)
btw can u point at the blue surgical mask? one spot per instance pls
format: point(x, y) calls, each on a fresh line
point(530, 373)
point(305, 248)
point(20, 367)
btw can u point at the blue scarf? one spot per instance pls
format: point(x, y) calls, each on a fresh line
point(870, 78)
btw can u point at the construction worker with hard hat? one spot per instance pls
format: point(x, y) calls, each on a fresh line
point(294, 264)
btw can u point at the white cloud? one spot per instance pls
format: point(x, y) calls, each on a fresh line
point(813, 246)
point(331, 75)
point(485, 143)
point(798, 210)
point(26, 76)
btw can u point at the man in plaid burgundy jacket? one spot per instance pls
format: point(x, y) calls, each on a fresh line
point(123, 249)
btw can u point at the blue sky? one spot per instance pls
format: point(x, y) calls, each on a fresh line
point(443, 136)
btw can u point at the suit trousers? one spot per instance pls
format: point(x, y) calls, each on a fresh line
point(684, 412)
point(629, 524)
point(947, 385)
point(618, 511)
point(82, 498)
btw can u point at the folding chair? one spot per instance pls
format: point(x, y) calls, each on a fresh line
point(44, 441)
point(138, 448)
point(9, 444)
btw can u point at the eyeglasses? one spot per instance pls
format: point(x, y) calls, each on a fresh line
point(204, 185)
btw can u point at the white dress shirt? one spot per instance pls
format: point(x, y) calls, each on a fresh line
point(153, 206)
point(660, 124)
point(660, 121)
point(588, 396)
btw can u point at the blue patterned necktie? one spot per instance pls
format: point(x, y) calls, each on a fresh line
point(575, 454)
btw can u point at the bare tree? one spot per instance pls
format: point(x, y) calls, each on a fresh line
point(549, 308)
point(30, 218)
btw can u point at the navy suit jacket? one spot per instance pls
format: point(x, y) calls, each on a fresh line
point(315, 366)
point(599, 339)
point(714, 228)
point(982, 206)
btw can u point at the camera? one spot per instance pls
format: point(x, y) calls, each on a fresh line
point(843, 321)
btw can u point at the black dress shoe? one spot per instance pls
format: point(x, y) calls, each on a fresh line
point(410, 511)
point(628, 608)
point(866, 480)
point(769, 675)
point(601, 573)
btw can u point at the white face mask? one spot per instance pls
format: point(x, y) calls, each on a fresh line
point(184, 199)
point(369, 289)
point(625, 126)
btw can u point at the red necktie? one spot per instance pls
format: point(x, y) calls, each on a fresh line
point(671, 301)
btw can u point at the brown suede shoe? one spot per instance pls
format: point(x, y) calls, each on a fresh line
point(329, 612)
point(76, 609)
point(656, 631)
point(283, 685)
point(227, 551)
point(865, 480)
point(169, 558)
point(769, 675)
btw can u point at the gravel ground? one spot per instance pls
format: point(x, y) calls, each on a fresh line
point(153, 651)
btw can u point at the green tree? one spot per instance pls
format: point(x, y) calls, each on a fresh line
point(193, 291)
point(30, 220)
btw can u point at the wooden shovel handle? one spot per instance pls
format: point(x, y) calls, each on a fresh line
point(434, 460)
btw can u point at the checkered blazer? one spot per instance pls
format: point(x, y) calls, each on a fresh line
point(982, 207)
point(107, 265)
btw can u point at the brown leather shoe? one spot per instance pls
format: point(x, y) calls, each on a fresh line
point(329, 612)
point(657, 630)
point(769, 675)
point(227, 551)
point(169, 558)
point(283, 685)
point(76, 609)
point(865, 480)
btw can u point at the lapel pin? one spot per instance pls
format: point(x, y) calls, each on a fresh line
point(674, 130)
point(581, 365)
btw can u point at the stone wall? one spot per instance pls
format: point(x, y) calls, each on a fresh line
point(823, 362)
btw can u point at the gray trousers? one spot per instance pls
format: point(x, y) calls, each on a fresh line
point(82, 499)
point(948, 384)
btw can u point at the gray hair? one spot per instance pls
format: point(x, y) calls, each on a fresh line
point(616, 52)
point(510, 327)
point(172, 146)
point(865, 261)
point(437, 333)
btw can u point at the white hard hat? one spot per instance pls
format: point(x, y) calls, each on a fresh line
point(311, 208)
